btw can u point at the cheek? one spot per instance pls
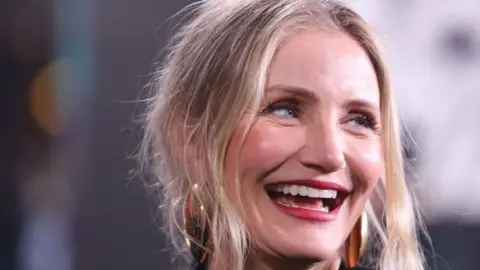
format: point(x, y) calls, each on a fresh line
point(265, 146)
point(365, 161)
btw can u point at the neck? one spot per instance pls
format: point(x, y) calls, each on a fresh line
point(269, 262)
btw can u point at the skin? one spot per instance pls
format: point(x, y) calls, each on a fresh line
point(320, 120)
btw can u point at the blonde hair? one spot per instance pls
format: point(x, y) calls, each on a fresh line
point(214, 74)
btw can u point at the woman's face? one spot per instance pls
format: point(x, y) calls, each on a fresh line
point(313, 155)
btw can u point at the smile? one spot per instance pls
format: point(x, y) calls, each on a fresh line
point(308, 199)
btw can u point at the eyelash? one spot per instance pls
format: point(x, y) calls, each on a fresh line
point(362, 118)
point(292, 105)
point(369, 121)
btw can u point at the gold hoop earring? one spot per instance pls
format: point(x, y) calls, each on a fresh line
point(356, 242)
point(195, 226)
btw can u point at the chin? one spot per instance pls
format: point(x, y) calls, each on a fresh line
point(314, 249)
point(294, 236)
point(302, 240)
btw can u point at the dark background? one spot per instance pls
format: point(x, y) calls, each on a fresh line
point(68, 200)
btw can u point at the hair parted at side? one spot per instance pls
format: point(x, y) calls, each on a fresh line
point(214, 73)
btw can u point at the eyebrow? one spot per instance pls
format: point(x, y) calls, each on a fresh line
point(294, 90)
point(361, 103)
point(308, 94)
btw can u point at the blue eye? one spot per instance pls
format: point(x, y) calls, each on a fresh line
point(364, 121)
point(285, 112)
point(283, 109)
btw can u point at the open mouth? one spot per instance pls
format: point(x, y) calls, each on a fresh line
point(306, 197)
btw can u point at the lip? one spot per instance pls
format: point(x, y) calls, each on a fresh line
point(314, 184)
point(309, 214)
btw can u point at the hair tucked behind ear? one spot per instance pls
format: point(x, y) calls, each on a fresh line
point(214, 74)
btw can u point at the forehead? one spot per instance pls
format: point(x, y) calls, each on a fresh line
point(328, 63)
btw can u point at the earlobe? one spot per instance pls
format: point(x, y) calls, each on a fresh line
point(197, 165)
point(195, 222)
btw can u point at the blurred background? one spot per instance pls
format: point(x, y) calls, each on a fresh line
point(71, 71)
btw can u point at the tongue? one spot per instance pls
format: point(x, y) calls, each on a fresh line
point(299, 201)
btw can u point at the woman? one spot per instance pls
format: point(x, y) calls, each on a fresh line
point(272, 129)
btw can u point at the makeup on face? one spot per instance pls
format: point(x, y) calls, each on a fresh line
point(308, 199)
point(313, 155)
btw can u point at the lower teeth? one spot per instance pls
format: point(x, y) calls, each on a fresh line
point(325, 209)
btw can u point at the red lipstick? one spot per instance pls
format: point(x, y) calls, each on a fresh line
point(301, 211)
point(308, 214)
point(314, 184)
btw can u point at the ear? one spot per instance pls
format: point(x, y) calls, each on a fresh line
point(195, 155)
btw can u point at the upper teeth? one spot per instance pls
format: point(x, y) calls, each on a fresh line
point(307, 191)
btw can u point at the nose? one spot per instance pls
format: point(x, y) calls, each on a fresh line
point(324, 148)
